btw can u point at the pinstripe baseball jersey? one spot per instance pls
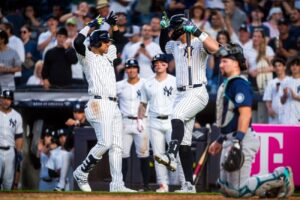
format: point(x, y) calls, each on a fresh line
point(11, 124)
point(99, 72)
point(198, 61)
point(160, 95)
point(129, 96)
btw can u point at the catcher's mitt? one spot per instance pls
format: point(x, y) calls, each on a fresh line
point(234, 160)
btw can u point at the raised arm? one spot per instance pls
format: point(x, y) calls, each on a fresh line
point(79, 40)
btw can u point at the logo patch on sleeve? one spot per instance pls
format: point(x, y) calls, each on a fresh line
point(239, 98)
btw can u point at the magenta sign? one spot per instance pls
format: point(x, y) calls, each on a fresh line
point(279, 146)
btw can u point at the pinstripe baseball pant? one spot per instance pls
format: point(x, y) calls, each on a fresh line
point(105, 117)
point(187, 105)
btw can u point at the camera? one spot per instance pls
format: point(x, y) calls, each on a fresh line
point(142, 45)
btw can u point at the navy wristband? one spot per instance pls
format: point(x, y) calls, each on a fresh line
point(239, 135)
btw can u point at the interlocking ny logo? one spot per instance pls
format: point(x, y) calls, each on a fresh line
point(185, 51)
point(138, 93)
point(298, 89)
point(167, 91)
point(12, 123)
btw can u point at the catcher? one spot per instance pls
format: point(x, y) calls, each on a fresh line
point(238, 141)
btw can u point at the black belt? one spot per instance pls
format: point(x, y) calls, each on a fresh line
point(131, 117)
point(163, 117)
point(5, 148)
point(184, 88)
point(109, 98)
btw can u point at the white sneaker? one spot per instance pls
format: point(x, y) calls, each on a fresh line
point(82, 180)
point(168, 160)
point(163, 188)
point(288, 186)
point(187, 188)
point(122, 189)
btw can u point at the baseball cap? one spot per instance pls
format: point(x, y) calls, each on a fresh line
point(132, 30)
point(273, 11)
point(102, 4)
point(283, 21)
point(244, 27)
point(61, 132)
point(160, 57)
point(8, 94)
point(78, 107)
point(131, 63)
point(71, 21)
point(51, 17)
point(62, 31)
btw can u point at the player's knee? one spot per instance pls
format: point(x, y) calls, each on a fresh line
point(103, 145)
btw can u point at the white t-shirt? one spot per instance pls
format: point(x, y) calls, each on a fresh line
point(44, 36)
point(251, 54)
point(16, 43)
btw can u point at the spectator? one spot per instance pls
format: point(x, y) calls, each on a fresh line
point(10, 63)
point(120, 6)
point(47, 39)
point(14, 16)
point(2, 17)
point(274, 16)
point(79, 14)
point(155, 28)
point(33, 22)
point(274, 90)
point(216, 24)
point(175, 7)
point(242, 37)
point(291, 94)
point(294, 30)
point(257, 15)
point(57, 64)
point(103, 10)
point(15, 43)
point(197, 15)
point(36, 78)
point(79, 118)
point(31, 53)
point(141, 12)
point(144, 51)
point(118, 36)
point(236, 15)
point(284, 45)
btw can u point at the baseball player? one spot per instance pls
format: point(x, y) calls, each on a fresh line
point(291, 94)
point(159, 92)
point(102, 109)
point(191, 98)
point(274, 91)
point(11, 139)
point(238, 142)
point(129, 94)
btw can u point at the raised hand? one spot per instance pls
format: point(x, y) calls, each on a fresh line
point(165, 21)
point(96, 22)
point(112, 19)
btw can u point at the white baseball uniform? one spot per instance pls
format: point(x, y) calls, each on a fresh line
point(102, 110)
point(292, 107)
point(272, 93)
point(129, 100)
point(46, 183)
point(160, 96)
point(191, 101)
point(11, 126)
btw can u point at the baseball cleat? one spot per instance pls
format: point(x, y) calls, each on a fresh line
point(288, 187)
point(163, 188)
point(122, 189)
point(187, 188)
point(168, 160)
point(82, 180)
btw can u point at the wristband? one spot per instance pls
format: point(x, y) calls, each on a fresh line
point(221, 139)
point(203, 36)
point(239, 135)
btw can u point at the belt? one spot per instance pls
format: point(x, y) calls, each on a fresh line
point(163, 117)
point(109, 98)
point(185, 88)
point(5, 148)
point(131, 117)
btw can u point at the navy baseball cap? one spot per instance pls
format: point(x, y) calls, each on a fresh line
point(61, 132)
point(8, 94)
point(131, 62)
point(78, 107)
point(160, 57)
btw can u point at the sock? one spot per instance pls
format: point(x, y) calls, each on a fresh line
point(89, 163)
point(124, 168)
point(177, 136)
point(145, 169)
point(186, 158)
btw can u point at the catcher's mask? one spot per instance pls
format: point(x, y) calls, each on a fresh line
point(233, 51)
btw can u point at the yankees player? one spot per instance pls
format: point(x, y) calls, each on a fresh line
point(159, 92)
point(190, 99)
point(291, 94)
point(11, 139)
point(237, 134)
point(101, 110)
point(129, 94)
point(274, 91)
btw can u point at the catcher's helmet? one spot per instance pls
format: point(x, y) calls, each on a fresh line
point(159, 57)
point(99, 36)
point(233, 51)
point(131, 62)
point(8, 94)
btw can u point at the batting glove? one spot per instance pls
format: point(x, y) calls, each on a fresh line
point(189, 27)
point(140, 125)
point(96, 22)
point(112, 19)
point(165, 22)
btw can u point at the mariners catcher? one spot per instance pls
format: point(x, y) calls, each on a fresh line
point(238, 142)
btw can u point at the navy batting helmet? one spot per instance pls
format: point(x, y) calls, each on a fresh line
point(159, 57)
point(99, 36)
point(8, 94)
point(176, 24)
point(233, 51)
point(131, 62)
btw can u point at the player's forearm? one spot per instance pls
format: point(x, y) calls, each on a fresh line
point(244, 119)
point(142, 110)
point(19, 144)
point(210, 44)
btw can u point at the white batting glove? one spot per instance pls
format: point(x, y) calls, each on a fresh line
point(140, 125)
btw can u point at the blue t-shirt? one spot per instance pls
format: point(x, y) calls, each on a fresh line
point(238, 93)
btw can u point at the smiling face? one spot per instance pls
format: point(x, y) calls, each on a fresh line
point(132, 72)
